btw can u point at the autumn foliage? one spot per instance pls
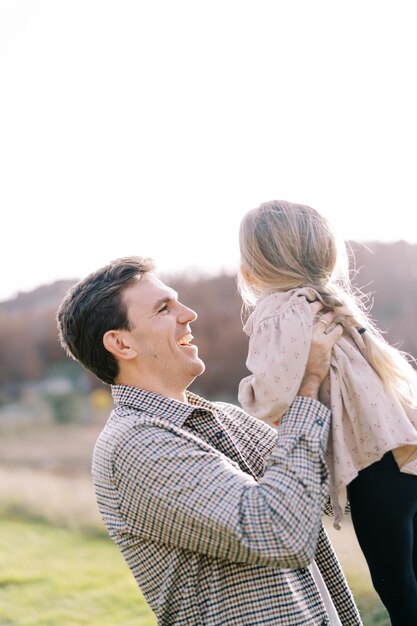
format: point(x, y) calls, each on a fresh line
point(30, 349)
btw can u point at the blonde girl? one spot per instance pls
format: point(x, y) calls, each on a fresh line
point(290, 257)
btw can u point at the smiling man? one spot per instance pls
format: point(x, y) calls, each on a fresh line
point(156, 347)
point(217, 515)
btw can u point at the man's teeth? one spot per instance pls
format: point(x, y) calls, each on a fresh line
point(185, 341)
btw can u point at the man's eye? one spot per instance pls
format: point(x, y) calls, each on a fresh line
point(164, 308)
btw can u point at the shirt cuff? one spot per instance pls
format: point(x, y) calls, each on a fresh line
point(306, 416)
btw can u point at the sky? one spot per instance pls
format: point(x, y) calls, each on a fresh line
point(151, 127)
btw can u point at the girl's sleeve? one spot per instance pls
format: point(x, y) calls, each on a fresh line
point(278, 351)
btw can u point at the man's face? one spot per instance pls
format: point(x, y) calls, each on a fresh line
point(161, 335)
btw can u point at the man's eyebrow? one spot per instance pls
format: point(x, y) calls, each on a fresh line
point(164, 300)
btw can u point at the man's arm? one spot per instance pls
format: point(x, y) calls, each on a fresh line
point(176, 490)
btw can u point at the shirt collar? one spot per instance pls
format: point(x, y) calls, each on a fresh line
point(172, 410)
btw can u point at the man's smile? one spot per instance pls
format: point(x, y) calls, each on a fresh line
point(185, 340)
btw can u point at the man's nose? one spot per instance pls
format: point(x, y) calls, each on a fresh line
point(186, 315)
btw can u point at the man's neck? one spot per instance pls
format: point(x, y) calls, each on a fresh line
point(180, 395)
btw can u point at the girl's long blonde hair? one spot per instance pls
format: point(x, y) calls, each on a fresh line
point(285, 246)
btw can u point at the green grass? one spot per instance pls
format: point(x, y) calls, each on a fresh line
point(57, 577)
point(53, 576)
point(63, 570)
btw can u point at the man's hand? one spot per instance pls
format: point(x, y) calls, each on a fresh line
point(325, 335)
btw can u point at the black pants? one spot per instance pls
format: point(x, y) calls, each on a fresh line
point(384, 514)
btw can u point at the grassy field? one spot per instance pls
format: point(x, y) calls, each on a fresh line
point(58, 567)
point(58, 577)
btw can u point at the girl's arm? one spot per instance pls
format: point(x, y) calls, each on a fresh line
point(278, 351)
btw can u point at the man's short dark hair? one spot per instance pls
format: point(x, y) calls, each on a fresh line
point(95, 305)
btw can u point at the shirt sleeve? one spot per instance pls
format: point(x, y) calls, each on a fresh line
point(181, 493)
point(278, 351)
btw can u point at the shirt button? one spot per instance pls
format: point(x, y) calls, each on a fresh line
point(219, 434)
point(319, 422)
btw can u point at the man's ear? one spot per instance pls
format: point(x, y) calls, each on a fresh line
point(119, 343)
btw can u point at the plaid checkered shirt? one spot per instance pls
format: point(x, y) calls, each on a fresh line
point(218, 515)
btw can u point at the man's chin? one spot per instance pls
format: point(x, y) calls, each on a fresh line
point(200, 366)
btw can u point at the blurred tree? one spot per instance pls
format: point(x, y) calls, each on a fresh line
point(29, 347)
point(388, 273)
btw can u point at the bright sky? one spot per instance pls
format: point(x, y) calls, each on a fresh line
point(150, 127)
